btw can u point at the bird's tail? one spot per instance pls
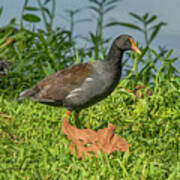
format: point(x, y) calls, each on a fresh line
point(26, 93)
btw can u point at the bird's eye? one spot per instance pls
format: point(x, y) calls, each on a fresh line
point(127, 43)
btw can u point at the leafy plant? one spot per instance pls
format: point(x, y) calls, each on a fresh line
point(101, 8)
point(33, 53)
point(146, 26)
point(31, 144)
point(29, 14)
point(149, 27)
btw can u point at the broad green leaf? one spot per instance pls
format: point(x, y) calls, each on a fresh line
point(136, 16)
point(156, 54)
point(12, 21)
point(1, 10)
point(145, 16)
point(129, 25)
point(30, 8)
point(156, 30)
point(31, 18)
point(47, 11)
point(172, 60)
point(94, 8)
point(153, 18)
point(42, 38)
point(143, 52)
point(160, 23)
point(168, 54)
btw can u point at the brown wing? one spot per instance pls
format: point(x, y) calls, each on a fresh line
point(57, 86)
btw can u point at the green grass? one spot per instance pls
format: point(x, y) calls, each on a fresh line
point(32, 145)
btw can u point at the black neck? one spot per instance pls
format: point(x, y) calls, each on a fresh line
point(113, 66)
point(115, 56)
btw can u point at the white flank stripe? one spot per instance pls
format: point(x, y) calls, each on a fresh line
point(74, 92)
point(70, 95)
point(89, 79)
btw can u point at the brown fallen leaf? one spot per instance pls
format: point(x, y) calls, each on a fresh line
point(88, 141)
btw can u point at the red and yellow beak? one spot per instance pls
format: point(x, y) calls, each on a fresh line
point(133, 46)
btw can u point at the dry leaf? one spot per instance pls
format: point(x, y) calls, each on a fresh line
point(87, 140)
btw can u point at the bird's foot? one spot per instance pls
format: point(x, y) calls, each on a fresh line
point(66, 115)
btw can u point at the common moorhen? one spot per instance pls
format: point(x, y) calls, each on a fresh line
point(82, 85)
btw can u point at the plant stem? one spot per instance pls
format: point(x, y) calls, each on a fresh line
point(22, 13)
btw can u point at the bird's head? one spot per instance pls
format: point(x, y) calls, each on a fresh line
point(126, 42)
